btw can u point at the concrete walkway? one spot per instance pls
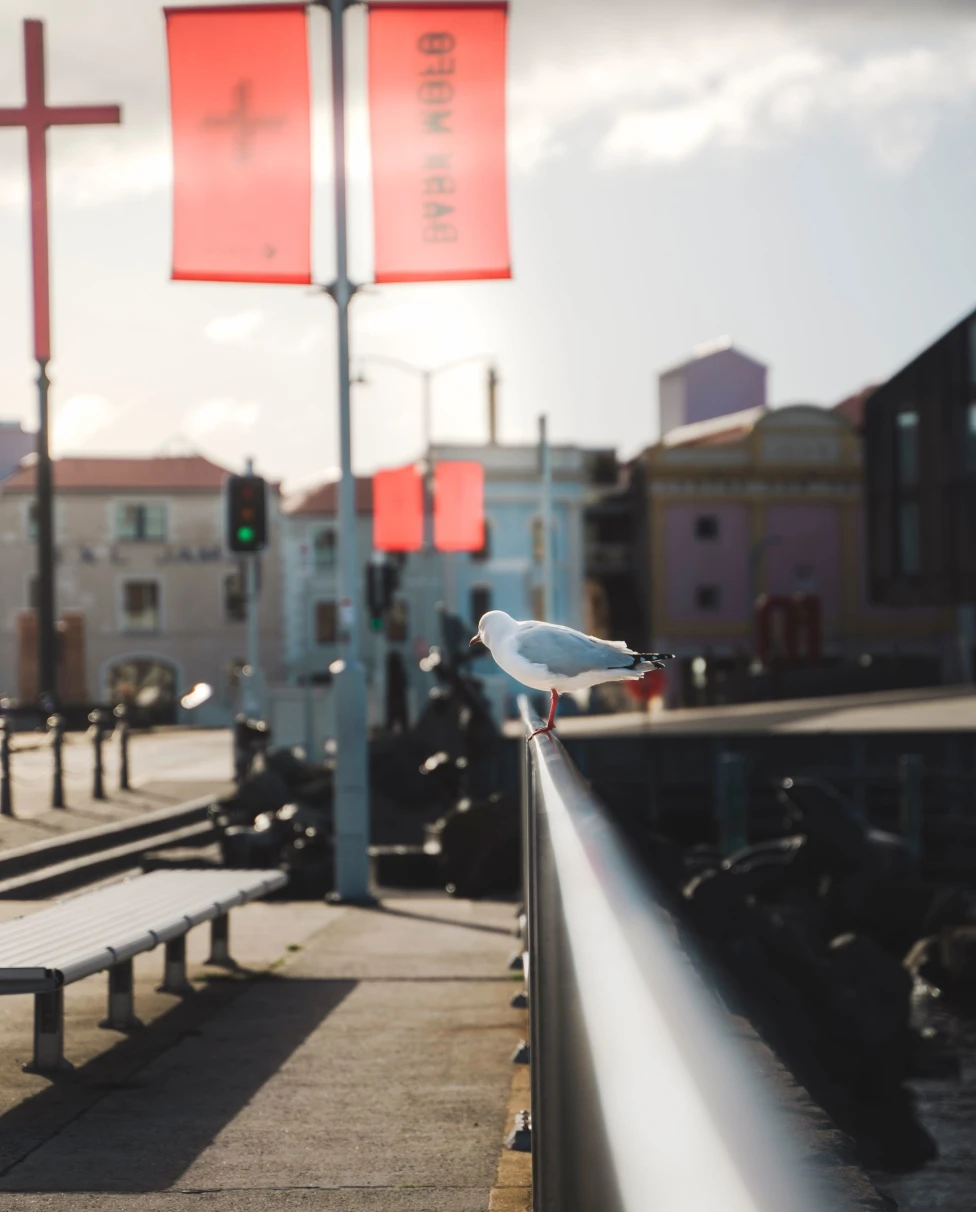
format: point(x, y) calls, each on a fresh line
point(165, 768)
point(368, 1068)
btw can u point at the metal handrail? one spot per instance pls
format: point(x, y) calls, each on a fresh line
point(640, 1098)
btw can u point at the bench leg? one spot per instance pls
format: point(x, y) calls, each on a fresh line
point(220, 955)
point(174, 972)
point(121, 1015)
point(48, 1034)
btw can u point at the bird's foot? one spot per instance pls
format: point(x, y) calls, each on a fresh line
point(545, 729)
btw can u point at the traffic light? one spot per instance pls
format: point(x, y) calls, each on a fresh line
point(382, 582)
point(247, 513)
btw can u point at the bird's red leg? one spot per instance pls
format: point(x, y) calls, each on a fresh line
point(550, 723)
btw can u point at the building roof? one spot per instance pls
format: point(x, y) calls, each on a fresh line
point(163, 473)
point(852, 406)
point(718, 431)
point(708, 350)
point(324, 498)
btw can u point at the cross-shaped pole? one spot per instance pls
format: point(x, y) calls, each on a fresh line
point(36, 115)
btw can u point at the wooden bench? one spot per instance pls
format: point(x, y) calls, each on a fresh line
point(102, 930)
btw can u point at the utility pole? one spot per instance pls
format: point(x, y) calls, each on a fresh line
point(492, 406)
point(545, 476)
point(36, 116)
point(351, 780)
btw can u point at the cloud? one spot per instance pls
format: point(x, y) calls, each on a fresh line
point(748, 87)
point(236, 329)
point(220, 416)
point(78, 420)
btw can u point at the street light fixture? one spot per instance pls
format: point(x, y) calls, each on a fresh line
point(426, 374)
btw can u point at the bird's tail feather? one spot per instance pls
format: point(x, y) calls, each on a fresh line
point(654, 659)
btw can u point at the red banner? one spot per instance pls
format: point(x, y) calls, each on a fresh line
point(437, 126)
point(459, 506)
point(242, 172)
point(398, 510)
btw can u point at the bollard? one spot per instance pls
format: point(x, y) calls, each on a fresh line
point(731, 803)
point(98, 722)
point(55, 724)
point(122, 728)
point(6, 789)
point(910, 801)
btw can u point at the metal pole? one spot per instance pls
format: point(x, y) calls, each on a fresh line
point(6, 794)
point(492, 406)
point(55, 724)
point(46, 638)
point(545, 469)
point(352, 795)
point(308, 697)
point(122, 715)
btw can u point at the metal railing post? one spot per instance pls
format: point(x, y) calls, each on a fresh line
point(731, 803)
point(910, 801)
point(122, 728)
point(97, 732)
point(55, 724)
point(6, 788)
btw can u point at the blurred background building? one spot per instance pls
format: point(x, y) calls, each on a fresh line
point(149, 602)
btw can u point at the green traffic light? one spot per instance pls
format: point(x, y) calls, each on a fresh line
point(245, 534)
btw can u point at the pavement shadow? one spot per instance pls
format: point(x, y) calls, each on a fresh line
point(484, 928)
point(135, 1118)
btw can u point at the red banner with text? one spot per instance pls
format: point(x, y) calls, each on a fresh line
point(398, 510)
point(437, 128)
point(242, 173)
point(459, 506)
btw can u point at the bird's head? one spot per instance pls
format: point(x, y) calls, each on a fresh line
point(491, 628)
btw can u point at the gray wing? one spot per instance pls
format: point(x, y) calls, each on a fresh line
point(568, 653)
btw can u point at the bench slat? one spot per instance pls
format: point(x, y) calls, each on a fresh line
point(96, 930)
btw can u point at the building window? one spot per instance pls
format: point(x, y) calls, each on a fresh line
point(707, 597)
point(141, 523)
point(480, 602)
point(908, 544)
point(706, 526)
point(235, 598)
point(140, 606)
point(325, 551)
point(397, 621)
point(326, 623)
point(484, 551)
point(907, 449)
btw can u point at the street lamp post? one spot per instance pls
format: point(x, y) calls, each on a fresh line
point(426, 375)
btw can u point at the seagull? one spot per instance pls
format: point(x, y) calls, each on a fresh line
point(548, 656)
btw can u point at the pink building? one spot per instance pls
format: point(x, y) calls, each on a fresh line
point(766, 501)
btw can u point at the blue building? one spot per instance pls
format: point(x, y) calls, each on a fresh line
point(505, 575)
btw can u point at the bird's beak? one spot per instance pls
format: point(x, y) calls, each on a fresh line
point(474, 641)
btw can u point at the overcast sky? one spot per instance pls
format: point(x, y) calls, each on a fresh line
point(797, 175)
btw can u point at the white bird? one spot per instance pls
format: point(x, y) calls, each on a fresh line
point(547, 656)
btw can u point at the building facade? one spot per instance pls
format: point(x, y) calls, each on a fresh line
point(505, 575)
point(16, 443)
point(767, 502)
point(920, 464)
point(149, 602)
point(716, 380)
